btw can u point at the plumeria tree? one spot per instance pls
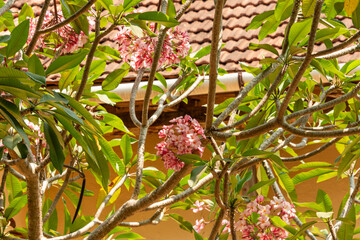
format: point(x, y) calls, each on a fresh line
point(54, 138)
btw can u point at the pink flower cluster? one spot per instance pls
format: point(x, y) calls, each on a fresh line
point(139, 52)
point(263, 229)
point(64, 36)
point(182, 138)
point(200, 224)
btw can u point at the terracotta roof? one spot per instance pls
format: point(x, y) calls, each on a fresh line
point(197, 21)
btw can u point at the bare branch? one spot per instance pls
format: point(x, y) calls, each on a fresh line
point(69, 19)
point(154, 219)
point(110, 194)
point(292, 20)
point(217, 225)
point(260, 104)
point(312, 153)
point(140, 161)
point(6, 7)
point(293, 86)
point(339, 47)
point(278, 192)
point(243, 93)
point(17, 174)
point(39, 24)
point(175, 198)
point(90, 56)
point(2, 187)
point(232, 223)
point(214, 62)
point(134, 90)
point(354, 189)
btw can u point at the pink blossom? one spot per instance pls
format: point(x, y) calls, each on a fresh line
point(264, 210)
point(65, 36)
point(227, 226)
point(263, 221)
point(198, 206)
point(181, 139)
point(139, 51)
point(199, 225)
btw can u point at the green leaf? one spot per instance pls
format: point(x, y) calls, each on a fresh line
point(324, 200)
point(79, 24)
point(258, 20)
point(356, 17)
point(308, 7)
point(261, 184)
point(310, 174)
point(80, 222)
point(255, 152)
point(311, 165)
point(183, 224)
point(171, 10)
point(158, 17)
point(82, 111)
point(287, 183)
point(350, 6)
point(67, 77)
point(113, 80)
point(10, 118)
point(130, 3)
point(282, 9)
point(242, 181)
point(15, 206)
point(324, 215)
point(269, 27)
point(196, 174)
point(56, 150)
point(18, 38)
point(106, 3)
point(161, 79)
point(189, 158)
point(26, 12)
point(299, 31)
point(302, 230)
point(66, 62)
point(35, 66)
point(129, 235)
point(79, 138)
point(346, 162)
point(67, 218)
point(116, 163)
point(4, 38)
point(99, 164)
point(267, 47)
point(346, 231)
point(197, 236)
point(126, 148)
point(36, 78)
point(13, 186)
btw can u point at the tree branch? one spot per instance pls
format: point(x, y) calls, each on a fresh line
point(69, 19)
point(134, 91)
point(214, 62)
point(6, 7)
point(39, 24)
point(293, 86)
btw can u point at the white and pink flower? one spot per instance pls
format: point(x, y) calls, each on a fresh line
point(181, 139)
